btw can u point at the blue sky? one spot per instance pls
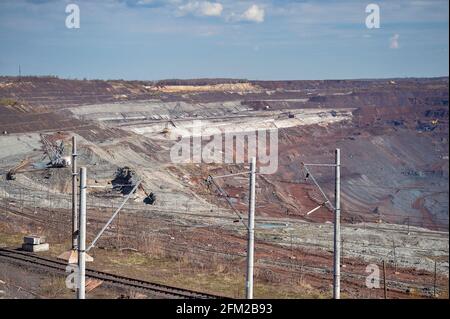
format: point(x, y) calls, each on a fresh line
point(260, 39)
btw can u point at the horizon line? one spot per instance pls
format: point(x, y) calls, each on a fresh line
point(225, 78)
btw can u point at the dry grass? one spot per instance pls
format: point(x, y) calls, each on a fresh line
point(10, 237)
point(157, 262)
point(214, 277)
point(54, 287)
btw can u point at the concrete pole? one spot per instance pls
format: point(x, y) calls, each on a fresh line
point(337, 230)
point(251, 230)
point(384, 279)
point(74, 194)
point(82, 236)
point(435, 278)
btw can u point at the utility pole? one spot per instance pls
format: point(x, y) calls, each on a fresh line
point(395, 257)
point(82, 236)
point(337, 229)
point(337, 217)
point(251, 230)
point(435, 278)
point(384, 279)
point(74, 194)
point(251, 219)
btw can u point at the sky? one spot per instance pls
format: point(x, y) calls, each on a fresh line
point(256, 39)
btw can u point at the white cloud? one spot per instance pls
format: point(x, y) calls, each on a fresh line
point(394, 41)
point(253, 14)
point(145, 2)
point(202, 8)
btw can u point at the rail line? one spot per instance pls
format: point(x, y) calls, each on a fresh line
point(59, 267)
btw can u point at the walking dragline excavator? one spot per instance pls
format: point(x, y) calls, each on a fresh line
point(54, 151)
point(11, 174)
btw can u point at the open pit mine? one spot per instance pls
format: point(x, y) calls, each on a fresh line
point(183, 230)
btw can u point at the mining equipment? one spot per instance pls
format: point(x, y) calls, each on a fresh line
point(124, 180)
point(54, 152)
point(166, 129)
point(288, 115)
point(11, 174)
point(149, 199)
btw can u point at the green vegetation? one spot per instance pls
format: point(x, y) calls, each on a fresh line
point(8, 102)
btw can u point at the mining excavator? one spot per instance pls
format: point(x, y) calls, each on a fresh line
point(11, 174)
point(54, 152)
point(149, 199)
point(125, 181)
point(166, 129)
point(176, 110)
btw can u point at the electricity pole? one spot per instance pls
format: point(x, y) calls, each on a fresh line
point(74, 194)
point(82, 237)
point(337, 229)
point(251, 230)
point(337, 217)
point(384, 279)
point(251, 219)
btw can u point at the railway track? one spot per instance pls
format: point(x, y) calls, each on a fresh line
point(59, 267)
